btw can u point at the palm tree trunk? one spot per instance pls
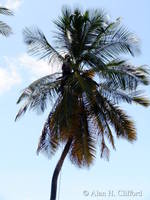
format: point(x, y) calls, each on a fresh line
point(57, 170)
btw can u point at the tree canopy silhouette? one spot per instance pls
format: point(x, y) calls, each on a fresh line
point(86, 94)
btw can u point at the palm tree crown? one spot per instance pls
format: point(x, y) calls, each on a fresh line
point(4, 28)
point(94, 80)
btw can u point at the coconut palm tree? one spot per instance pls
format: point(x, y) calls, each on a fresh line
point(4, 28)
point(94, 80)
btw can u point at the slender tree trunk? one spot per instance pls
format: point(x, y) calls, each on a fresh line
point(57, 170)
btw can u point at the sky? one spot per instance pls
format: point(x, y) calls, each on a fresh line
point(23, 174)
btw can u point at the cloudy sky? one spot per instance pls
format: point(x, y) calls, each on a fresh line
point(23, 174)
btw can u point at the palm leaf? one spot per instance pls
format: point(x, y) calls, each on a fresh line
point(119, 74)
point(5, 29)
point(48, 142)
point(123, 125)
point(39, 46)
point(117, 42)
point(37, 93)
point(83, 149)
point(5, 11)
point(117, 96)
point(100, 125)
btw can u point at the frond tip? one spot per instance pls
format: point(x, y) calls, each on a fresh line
point(5, 11)
point(5, 29)
point(48, 144)
point(144, 101)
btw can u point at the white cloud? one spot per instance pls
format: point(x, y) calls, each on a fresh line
point(8, 78)
point(23, 68)
point(39, 68)
point(13, 4)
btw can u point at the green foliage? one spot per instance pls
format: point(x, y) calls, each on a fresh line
point(87, 110)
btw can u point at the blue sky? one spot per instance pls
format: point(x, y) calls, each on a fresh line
point(23, 174)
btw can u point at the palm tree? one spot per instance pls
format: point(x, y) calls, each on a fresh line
point(85, 95)
point(4, 28)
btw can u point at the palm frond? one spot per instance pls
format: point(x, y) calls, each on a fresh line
point(116, 42)
point(119, 74)
point(104, 150)
point(48, 142)
point(38, 92)
point(142, 100)
point(100, 124)
point(123, 125)
point(117, 96)
point(5, 29)
point(63, 114)
point(102, 32)
point(39, 46)
point(5, 11)
point(63, 31)
point(50, 138)
point(77, 30)
point(83, 149)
